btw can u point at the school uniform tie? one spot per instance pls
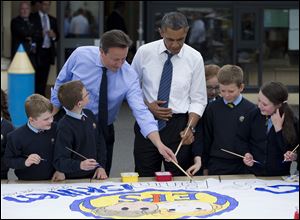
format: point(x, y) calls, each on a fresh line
point(165, 86)
point(102, 107)
point(46, 42)
point(269, 123)
point(230, 104)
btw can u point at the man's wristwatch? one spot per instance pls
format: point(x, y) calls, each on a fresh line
point(192, 129)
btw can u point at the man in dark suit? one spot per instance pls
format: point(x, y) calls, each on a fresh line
point(115, 20)
point(46, 26)
point(22, 31)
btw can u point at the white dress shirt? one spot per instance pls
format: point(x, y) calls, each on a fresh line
point(188, 88)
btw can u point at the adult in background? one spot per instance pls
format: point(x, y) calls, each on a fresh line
point(46, 26)
point(116, 19)
point(22, 32)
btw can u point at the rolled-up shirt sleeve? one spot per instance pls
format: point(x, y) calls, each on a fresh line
point(64, 75)
point(198, 93)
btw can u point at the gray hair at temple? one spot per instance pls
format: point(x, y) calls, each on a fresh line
point(114, 38)
point(174, 21)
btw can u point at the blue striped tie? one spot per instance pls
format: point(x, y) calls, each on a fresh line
point(165, 86)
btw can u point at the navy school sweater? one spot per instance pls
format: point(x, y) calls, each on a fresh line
point(83, 137)
point(23, 142)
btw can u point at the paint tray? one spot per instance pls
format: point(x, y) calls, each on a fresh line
point(163, 176)
point(130, 177)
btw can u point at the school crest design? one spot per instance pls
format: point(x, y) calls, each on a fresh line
point(141, 204)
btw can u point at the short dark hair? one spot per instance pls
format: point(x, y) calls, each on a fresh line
point(70, 93)
point(36, 104)
point(174, 21)
point(114, 38)
point(4, 106)
point(229, 74)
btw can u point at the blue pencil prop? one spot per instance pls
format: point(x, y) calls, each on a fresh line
point(238, 155)
point(293, 151)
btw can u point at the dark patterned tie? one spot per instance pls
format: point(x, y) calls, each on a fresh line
point(230, 104)
point(102, 108)
point(165, 86)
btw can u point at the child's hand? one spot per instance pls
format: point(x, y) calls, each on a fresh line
point(88, 164)
point(248, 160)
point(100, 174)
point(277, 120)
point(289, 156)
point(32, 159)
point(58, 176)
point(194, 168)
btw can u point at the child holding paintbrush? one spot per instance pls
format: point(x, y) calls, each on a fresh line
point(292, 156)
point(268, 132)
point(79, 151)
point(29, 149)
point(220, 124)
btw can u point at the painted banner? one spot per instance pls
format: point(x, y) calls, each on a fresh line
point(211, 198)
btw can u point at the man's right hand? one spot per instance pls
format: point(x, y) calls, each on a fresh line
point(167, 153)
point(159, 112)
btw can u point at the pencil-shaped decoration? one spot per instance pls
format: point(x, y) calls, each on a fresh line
point(238, 155)
point(179, 167)
point(181, 142)
point(293, 151)
point(20, 84)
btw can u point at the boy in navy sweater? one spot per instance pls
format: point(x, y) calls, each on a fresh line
point(30, 147)
point(77, 130)
point(220, 123)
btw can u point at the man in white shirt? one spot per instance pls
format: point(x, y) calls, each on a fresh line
point(79, 26)
point(181, 109)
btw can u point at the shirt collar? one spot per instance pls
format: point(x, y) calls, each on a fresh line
point(236, 101)
point(162, 48)
point(35, 130)
point(74, 114)
point(42, 14)
point(99, 60)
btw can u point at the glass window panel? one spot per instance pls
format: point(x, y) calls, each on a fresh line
point(276, 18)
point(247, 59)
point(210, 32)
point(280, 50)
point(248, 26)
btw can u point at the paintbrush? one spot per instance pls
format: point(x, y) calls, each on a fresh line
point(292, 152)
point(42, 159)
point(181, 142)
point(191, 179)
point(238, 155)
point(80, 155)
